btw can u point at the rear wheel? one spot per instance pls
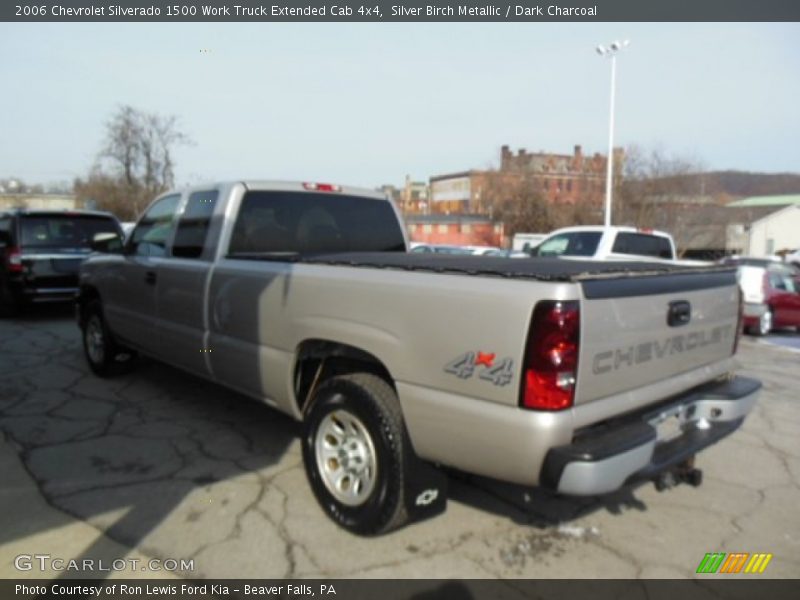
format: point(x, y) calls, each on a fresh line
point(105, 357)
point(355, 450)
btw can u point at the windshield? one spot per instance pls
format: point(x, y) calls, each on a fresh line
point(63, 231)
point(573, 243)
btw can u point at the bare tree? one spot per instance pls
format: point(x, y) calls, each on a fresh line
point(136, 162)
point(515, 199)
point(123, 141)
point(663, 191)
point(654, 186)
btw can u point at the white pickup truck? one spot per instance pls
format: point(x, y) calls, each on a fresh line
point(594, 242)
point(576, 376)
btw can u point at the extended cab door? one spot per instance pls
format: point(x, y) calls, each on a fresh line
point(181, 289)
point(130, 300)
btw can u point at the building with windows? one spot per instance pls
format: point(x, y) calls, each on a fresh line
point(456, 193)
point(563, 178)
point(764, 225)
point(709, 231)
point(558, 178)
point(455, 229)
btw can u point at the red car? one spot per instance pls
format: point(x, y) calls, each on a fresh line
point(771, 292)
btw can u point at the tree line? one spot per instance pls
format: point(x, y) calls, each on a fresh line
point(651, 187)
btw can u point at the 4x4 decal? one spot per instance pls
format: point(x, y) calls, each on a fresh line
point(465, 365)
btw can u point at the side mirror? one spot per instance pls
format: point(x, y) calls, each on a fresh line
point(106, 243)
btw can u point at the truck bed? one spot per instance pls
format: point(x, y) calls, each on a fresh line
point(541, 269)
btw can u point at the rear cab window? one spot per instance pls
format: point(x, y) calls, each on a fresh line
point(642, 244)
point(287, 222)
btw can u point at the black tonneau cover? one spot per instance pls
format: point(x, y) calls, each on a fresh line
point(630, 278)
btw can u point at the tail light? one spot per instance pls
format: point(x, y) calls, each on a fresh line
point(322, 187)
point(739, 319)
point(14, 260)
point(551, 358)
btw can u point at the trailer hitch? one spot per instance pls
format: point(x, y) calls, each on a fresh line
point(684, 472)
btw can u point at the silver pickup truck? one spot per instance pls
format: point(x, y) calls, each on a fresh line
point(576, 376)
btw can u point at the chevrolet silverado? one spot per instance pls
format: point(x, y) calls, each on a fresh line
point(576, 376)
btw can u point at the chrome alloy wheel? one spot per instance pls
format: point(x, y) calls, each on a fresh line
point(765, 323)
point(95, 342)
point(346, 457)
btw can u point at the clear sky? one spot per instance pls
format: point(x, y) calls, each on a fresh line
point(366, 104)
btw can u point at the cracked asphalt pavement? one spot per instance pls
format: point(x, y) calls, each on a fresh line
point(160, 464)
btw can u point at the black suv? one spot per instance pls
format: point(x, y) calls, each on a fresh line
point(41, 252)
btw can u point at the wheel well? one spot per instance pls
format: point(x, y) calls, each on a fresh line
point(86, 295)
point(319, 360)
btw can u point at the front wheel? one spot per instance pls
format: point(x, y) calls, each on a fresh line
point(105, 357)
point(355, 450)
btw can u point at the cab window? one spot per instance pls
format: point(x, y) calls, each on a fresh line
point(150, 236)
point(574, 243)
point(193, 225)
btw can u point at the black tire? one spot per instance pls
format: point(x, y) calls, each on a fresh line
point(373, 402)
point(105, 356)
point(10, 306)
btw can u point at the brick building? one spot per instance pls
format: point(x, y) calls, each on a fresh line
point(564, 178)
point(560, 178)
point(456, 229)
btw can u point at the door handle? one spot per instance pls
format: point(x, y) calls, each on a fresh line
point(679, 313)
point(150, 277)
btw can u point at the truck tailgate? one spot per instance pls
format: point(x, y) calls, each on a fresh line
point(639, 330)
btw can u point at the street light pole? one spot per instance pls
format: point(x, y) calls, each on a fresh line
point(611, 52)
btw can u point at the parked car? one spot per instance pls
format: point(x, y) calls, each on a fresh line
point(771, 293)
point(507, 253)
point(439, 249)
point(482, 250)
point(42, 252)
point(607, 243)
point(524, 371)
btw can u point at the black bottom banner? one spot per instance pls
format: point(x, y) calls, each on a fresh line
point(411, 589)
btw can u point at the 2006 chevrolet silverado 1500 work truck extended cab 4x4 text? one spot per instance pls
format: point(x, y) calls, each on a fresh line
point(575, 376)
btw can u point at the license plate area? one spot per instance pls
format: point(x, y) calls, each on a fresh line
point(671, 423)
